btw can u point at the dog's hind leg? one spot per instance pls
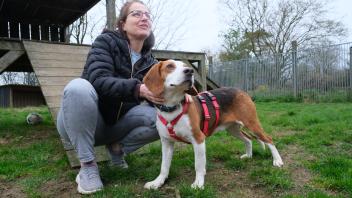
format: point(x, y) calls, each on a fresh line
point(167, 152)
point(199, 163)
point(258, 131)
point(235, 130)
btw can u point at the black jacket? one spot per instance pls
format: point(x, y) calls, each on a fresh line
point(109, 69)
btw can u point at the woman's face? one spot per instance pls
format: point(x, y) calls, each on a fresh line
point(138, 22)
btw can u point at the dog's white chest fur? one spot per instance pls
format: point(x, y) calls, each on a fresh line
point(182, 128)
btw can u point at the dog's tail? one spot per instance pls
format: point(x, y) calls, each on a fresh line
point(252, 136)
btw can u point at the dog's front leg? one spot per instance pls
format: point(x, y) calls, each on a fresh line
point(167, 152)
point(200, 162)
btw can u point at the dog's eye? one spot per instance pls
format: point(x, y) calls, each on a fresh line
point(170, 66)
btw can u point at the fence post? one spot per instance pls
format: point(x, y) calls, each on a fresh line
point(294, 68)
point(210, 67)
point(349, 94)
point(246, 75)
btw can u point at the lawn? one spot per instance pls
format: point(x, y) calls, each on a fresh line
point(315, 142)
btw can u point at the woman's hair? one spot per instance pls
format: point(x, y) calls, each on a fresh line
point(150, 40)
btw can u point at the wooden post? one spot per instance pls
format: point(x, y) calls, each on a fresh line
point(294, 68)
point(110, 15)
point(203, 73)
point(349, 94)
point(246, 75)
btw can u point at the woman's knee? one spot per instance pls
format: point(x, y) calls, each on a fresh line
point(80, 88)
point(144, 114)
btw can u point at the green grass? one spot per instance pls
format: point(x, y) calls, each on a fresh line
point(315, 141)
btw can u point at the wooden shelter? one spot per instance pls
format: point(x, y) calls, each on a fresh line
point(20, 96)
point(54, 62)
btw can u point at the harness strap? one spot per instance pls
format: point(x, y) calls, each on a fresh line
point(170, 125)
point(216, 106)
point(206, 115)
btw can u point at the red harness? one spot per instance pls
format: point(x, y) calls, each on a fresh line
point(205, 129)
point(170, 125)
point(216, 106)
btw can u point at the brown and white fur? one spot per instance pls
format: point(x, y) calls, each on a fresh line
point(171, 79)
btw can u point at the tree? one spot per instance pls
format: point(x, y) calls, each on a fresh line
point(269, 28)
point(8, 78)
point(167, 29)
point(77, 30)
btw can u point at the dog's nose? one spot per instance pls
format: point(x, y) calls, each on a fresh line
point(188, 71)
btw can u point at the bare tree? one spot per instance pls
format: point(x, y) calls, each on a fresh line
point(9, 78)
point(29, 78)
point(270, 26)
point(78, 29)
point(169, 20)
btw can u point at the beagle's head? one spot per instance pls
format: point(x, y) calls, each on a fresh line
point(169, 76)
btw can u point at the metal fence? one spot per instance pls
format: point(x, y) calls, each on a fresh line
point(319, 75)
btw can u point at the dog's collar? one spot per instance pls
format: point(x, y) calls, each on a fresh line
point(168, 108)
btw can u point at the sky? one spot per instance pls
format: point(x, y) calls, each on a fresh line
point(206, 22)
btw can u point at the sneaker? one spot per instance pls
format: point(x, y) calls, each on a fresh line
point(88, 179)
point(117, 155)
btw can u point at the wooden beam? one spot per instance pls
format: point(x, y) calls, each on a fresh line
point(10, 44)
point(10, 57)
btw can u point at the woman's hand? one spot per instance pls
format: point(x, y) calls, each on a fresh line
point(144, 92)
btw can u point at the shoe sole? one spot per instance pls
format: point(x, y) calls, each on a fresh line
point(85, 192)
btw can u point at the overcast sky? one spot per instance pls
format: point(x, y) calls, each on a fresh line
point(207, 20)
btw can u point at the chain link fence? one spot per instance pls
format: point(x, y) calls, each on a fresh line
point(317, 75)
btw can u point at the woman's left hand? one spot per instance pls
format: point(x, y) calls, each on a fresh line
point(144, 92)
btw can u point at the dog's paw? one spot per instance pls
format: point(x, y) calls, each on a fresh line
point(153, 184)
point(198, 185)
point(278, 163)
point(245, 156)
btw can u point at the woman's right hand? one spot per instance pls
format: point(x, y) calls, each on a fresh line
point(144, 92)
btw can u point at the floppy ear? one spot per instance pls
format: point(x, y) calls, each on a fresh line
point(154, 81)
point(192, 91)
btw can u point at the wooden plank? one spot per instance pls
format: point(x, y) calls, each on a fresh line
point(10, 57)
point(53, 101)
point(58, 63)
point(6, 44)
point(54, 111)
point(55, 80)
point(177, 55)
point(68, 56)
point(48, 71)
point(55, 90)
point(55, 47)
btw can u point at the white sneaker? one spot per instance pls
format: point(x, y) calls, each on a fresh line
point(88, 180)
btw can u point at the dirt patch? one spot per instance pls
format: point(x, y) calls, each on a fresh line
point(59, 188)
point(279, 134)
point(11, 190)
point(300, 175)
point(4, 141)
point(236, 184)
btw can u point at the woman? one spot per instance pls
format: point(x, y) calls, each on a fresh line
point(102, 107)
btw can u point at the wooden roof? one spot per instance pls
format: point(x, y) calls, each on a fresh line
point(59, 12)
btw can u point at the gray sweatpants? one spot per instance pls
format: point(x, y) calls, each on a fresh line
point(80, 123)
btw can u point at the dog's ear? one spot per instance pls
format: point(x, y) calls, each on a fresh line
point(153, 79)
point(192, 91)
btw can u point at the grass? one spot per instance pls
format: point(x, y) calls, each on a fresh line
point(315, 141)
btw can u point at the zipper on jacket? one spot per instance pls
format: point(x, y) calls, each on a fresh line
point(130, 54)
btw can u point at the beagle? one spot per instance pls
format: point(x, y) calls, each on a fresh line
point(180, 118)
